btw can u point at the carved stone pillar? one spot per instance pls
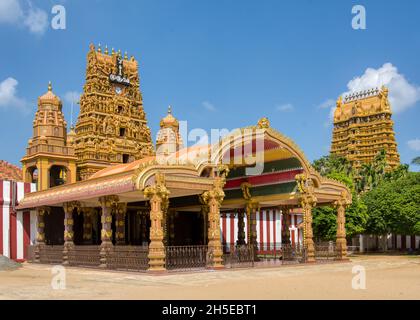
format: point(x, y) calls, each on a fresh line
point(241, 228)
point(308, 201)
point(252, 208)
point(285, 221)
point(107, 204)
point(68, 229)
point(87, 225)
point(341, 242)
point(159, 200)
point(213, 199)
point(120, 213)
point(40, 237)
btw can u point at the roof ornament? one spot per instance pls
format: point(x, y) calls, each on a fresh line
point(49, 86)
point(263, 123)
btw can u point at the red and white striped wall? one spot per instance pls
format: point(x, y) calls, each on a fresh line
point(269, 227)
point(17, 228)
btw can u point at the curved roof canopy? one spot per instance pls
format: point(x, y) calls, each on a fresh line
point(263, 164)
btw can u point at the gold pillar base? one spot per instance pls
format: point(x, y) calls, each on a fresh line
point(156, 256)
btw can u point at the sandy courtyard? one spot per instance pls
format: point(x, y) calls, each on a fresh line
point(387, 277)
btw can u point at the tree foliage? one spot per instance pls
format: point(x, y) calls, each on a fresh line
point(394, 206)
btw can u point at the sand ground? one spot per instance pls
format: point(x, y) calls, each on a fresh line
point(387, 277)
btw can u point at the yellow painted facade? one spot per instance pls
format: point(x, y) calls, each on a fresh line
point(363, 127)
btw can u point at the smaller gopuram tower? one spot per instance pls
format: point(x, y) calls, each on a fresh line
point(168, 139)
point(49, 160)
point(363, 127)
point(112, 126)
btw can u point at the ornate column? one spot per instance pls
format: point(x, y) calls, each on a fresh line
point(107, 204)
point(120, 212)
point(68, 228)
point(285, 223)
point(307, 200)
point(87, 225)
point(158, 196)
point(213, 199)
point(252, 208)
point(341, 242)
point(241, 228)
point(40, 237)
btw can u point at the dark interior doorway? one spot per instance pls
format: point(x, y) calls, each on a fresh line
point(188, 229)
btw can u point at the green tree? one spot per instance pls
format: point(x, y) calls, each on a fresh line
point(394, 206)
point(416, 161)
point(324, 218)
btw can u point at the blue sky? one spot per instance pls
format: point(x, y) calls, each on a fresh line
point(220, 64)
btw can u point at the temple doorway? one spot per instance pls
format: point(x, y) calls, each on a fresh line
point(189, 229)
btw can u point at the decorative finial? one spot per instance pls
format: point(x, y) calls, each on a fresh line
point(125, 56)
point(263, 123)
point(99, 48)
point(106, 49)
point(169, 109)
point(112, 51)
point(49, 86)
point(119, 52)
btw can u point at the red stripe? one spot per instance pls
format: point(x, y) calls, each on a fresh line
point(261, 231)
point(26, 232)
point(224, 228)
point(292, 234)
point(274, 228)
point(232, 229)
point(1, 216)
point(13, 224)
point(298, 230)
point(267, 215)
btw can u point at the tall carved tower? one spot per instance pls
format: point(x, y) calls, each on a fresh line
point(49, 159)
point(112, 126)
point(363, 127)
point(168, 139)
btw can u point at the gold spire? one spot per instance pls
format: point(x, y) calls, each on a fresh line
point(99, 48)
point(106, 49)
point(169, 120)
point(49, 86)
point(125, 56)
point(169, 109)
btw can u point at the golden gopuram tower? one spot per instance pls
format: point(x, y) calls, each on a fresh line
point(363, 127)
point(112, 126)
point(168, 139)
point(49, 160)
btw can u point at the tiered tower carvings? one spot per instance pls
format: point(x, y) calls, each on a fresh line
point(112, 126)
point(363, 127)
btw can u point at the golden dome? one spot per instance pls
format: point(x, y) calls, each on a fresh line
point(49, 97)
point(169, 120)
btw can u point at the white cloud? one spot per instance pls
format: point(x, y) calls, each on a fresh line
point(10, 11)
point(36, 20)
point(326, 104)
point(414, 144)
point(8, 97)
point(402, 94)
point(33, 18)
point(209, 106)
point(72, 97)
point(285, 107)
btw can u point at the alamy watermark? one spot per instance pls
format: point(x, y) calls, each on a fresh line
point(359, 20)
point(58, 281)
point(358, 281)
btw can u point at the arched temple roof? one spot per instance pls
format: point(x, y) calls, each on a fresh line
point(189, 171)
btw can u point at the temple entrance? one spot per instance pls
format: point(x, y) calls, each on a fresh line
point(188, 229)
point(54, 226)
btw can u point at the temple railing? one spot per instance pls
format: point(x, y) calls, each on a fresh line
point(186, 257)
point(51, 254)
point(84, 255)
point(238, 256)
point(133, 258)
point(325, 252)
